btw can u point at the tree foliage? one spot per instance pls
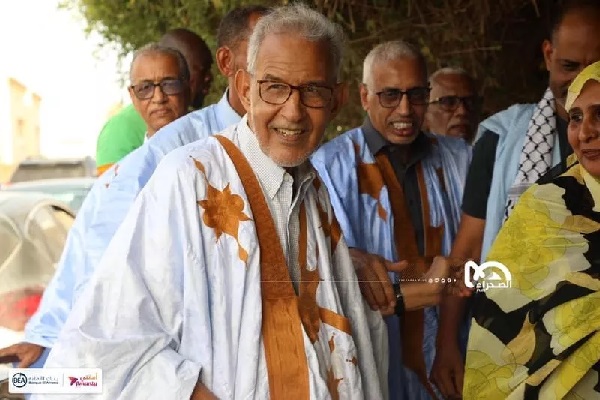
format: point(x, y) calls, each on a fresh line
point(497, 41)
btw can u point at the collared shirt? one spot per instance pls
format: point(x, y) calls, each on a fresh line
point(282, 198)
point(405, 171)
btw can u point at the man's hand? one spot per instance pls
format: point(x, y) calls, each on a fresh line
point(438, 271)
point(448, 275)
point(373, 280)
point(24, 353)
point(448, 371)
point(448, 367)
point(201, 392)
point(428, 292)
point(444, 277)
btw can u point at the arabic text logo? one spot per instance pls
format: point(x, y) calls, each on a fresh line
point(498, 276)
point(88, 380)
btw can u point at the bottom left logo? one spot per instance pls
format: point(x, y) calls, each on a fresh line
point(55, 380)
point(19, 380)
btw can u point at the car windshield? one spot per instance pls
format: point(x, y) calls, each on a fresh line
point(73, 198)
point(29, 260)
point(9, 239)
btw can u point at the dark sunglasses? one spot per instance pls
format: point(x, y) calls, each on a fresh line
point(145, 89)
point(391, 98)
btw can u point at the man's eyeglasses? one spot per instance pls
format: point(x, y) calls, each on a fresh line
point(451, 103)
point(277, 93)
point(145, 89)
point(391, 98)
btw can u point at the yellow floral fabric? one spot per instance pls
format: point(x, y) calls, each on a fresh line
point(540, 338)
point(592, 71)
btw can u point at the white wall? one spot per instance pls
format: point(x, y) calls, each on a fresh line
point(6, 145)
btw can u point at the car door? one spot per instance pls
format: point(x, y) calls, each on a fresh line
point(47, 228)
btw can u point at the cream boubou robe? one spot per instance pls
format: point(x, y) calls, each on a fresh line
point(195, 284)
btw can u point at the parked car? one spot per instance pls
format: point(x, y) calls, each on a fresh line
point(35, 169)
point(33, 231)
point(71, 191)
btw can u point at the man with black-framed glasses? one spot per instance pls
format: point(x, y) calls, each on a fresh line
point(396, 192)
point(160, 86)
point(234, 281)
point(115, 191)
point(126, 130)
point(454, 105)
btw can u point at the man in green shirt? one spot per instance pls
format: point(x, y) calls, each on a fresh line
point(126, 131)
point(122, 133)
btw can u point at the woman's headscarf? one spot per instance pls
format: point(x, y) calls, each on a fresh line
point(592, 71)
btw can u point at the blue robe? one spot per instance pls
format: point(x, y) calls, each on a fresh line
point(511, 127)
point(367, 224)
point(104, 210)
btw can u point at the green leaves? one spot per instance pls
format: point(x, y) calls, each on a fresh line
point(496, 40)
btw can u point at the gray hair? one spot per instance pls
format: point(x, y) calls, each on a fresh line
point(298, 19)
point(450, 71)
point(390, 51)
point(155, 48)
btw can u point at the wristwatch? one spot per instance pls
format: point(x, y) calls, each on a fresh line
point(399, 310)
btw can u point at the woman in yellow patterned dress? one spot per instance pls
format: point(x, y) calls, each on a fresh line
point(540, 338)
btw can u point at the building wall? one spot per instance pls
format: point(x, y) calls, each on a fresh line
point(19, 124)
point(5, 124)
point(25, 121)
